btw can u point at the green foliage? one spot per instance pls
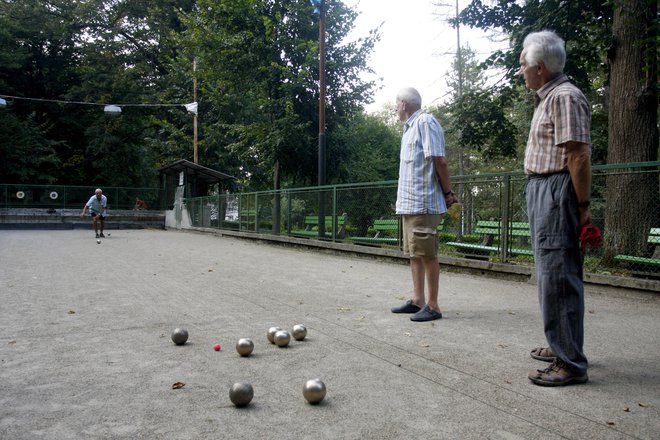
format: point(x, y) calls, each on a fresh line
point(479, 133)
point(27, 156)
point(372, 149)
point(484, 126)
point(585, 25)
point(257, 85)
point(258, 72)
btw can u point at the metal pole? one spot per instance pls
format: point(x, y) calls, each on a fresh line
point(195, 114)
point(322, 144)
point(461, 155)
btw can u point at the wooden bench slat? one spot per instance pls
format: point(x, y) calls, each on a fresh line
point(387, 240)
point(638, 260)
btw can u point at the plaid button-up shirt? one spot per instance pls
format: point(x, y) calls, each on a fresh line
point(562, 114)
point(419, 190)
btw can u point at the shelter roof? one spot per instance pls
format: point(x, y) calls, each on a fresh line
point(202, 173)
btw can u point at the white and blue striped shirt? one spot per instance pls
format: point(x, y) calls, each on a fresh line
point(419, 190)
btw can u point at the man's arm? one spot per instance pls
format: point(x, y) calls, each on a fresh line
point(442, 170)
point(579, 167)
point(84, 210)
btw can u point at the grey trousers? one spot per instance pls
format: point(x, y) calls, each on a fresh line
point(554, 225)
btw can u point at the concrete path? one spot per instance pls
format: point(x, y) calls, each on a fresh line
point(85, 349)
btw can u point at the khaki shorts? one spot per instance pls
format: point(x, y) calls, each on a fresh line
point(420, 235)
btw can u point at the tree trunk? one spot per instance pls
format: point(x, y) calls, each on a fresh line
point(632, 200)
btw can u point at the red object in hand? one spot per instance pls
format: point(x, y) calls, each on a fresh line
point(216, 347)
point(590, 236)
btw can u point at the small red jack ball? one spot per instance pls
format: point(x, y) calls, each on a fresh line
point(216, 347)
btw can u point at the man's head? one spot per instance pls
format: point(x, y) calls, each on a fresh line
point(408, 101)
point(543, 57)
point(98, 193)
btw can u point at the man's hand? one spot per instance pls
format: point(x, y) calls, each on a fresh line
point(450, 199)
point(585, 216)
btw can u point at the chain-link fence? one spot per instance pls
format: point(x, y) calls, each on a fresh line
point(492, 223)
point(14, 196)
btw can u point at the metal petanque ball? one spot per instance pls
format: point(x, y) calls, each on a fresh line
point(271, 333)
point(314, 391)
point(98, 241)
point(244, 346)
point(241, 394)
point(299, 332)
point(179, 336)
point(282, 338)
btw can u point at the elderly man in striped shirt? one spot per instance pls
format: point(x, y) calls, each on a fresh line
point(558, 166)
point(423, 196)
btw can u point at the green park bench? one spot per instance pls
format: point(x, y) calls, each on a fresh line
point(312, 223)
point(491, 232)
point(654, 261)
point(387, 232)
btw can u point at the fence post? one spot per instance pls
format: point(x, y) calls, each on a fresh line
point(504, 237)
point(335, 222)
point(321, 212)
point(256, 212)
point(288, 213)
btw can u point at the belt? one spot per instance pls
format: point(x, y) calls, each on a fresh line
point(545, 175)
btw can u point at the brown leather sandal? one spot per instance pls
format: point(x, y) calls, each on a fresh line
point(557, 374)
point(543, 354)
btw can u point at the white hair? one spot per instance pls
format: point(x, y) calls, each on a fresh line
point(410, 96)
point(545, 46)
point(98, 190)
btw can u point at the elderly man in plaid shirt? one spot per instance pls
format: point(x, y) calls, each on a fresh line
point(558, 166)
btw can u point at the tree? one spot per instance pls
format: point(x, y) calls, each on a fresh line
point(633, 116)
point(372, 149)
point(258, 76)
point(625, 31)
point(97, 51)
point(476, 117)
point(259, 94)
point(37, 61)
point(585, 25)
point(27, 156)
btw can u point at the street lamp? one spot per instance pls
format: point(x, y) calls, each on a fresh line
point(112, 109)
point(319, 9)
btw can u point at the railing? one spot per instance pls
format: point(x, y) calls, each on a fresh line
point(74, 197)
point(498, 197)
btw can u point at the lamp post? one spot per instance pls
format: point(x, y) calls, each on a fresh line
point(319, 6)
point(195, 113)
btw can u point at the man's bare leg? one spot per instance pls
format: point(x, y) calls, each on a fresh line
point(432, 269)
point(417, 270)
